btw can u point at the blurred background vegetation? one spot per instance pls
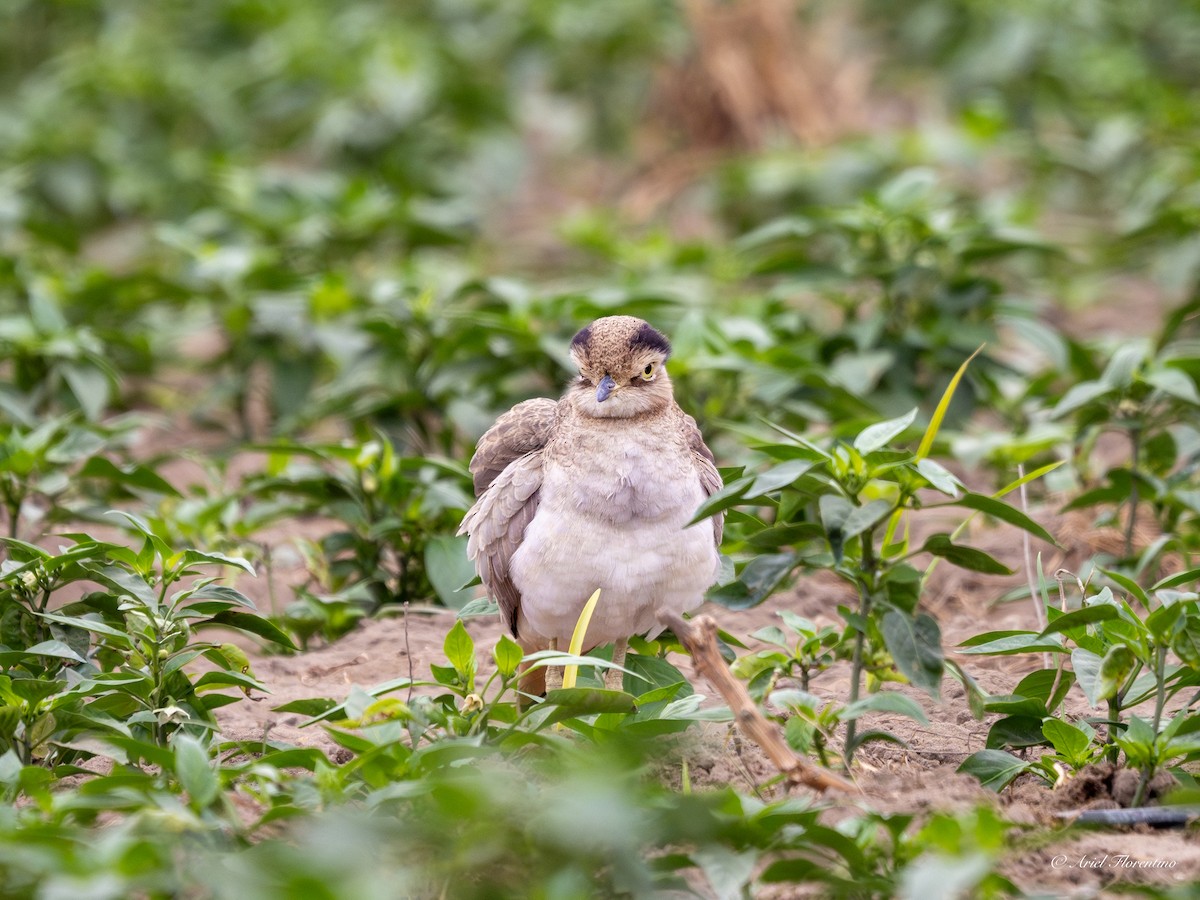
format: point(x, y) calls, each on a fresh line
point(392, 212)
point(338, 238)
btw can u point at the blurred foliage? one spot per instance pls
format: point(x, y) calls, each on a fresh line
point(118, 110)
point(1097, 100)
point(339, 238)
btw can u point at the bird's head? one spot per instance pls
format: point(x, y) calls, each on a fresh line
point(622, 369)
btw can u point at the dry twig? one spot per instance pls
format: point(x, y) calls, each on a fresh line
point(699, 636)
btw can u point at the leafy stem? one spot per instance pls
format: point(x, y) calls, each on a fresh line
point(1135, 439)
point(864, 579)
point(1160, 664)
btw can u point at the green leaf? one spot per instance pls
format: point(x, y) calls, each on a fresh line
point(863, 517)
point(221, 592)
point(879, 435)
point(1129, 585)
point(570, 703)
point(312, 706)
point(1047, 686)
point(191, 557)
point(964, 557)
point(654, 672)
point(1116, 666)
point(195, 773)
point(748, 666)
point(460, 651)
point(137, 476)
point(1139, 731)
point(480, 606)
point(728, 496)
point(1125, 361)
point(939, 477)
point(916, 647)
point(155, 541)
point(34, 690)
point(859, 373)
point(729, 873)
point(785, 535)
point(1007, 643)
point(31, 550)
point(1087, 616)
point(227, 679)
point(995, 769)
point(124, 582)
point(449, 569)
point(1175, 383)
point(757, 581)
point(1016, 731)
point(90, 385)
point(835, 509)
point(935, 422)
point(884, 702)
point(1162, 621)
point(1027, 478)
point(976, 698)
point(93, 624)
point(1067, 740)
point(1005, 513)
point(250, 623)
point(56, 649)
point(1080, 395)
point(1187, 642)
point(1087, 673)
point(1017, 705)
point(902, 587)
point(778, 477)
point(988, 637)
point(1188, 577)
point(508, 654)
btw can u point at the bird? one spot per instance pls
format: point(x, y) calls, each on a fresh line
point(596, 490)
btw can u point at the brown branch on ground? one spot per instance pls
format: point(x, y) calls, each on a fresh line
point(699, 636)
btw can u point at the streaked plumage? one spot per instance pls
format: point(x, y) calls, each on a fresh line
point(594, 491)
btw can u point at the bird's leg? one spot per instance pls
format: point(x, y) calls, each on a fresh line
point(554, 674)
point(614, 679)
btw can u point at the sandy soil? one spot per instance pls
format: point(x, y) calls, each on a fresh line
point(918, 777)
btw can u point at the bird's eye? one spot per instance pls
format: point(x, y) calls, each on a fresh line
point(648, 372)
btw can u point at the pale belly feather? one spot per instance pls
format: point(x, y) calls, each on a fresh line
point(619, 527)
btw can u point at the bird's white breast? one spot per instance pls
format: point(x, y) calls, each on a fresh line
point(612, 515)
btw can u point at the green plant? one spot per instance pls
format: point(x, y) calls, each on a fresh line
point(1148, 394)
point(803, 651)
point(392, 512)
point(907, 271)
point(61, 469)
point(841, 508)
point(117, 655)
point(496, 711)
point(54, 366)
point(1120, 658)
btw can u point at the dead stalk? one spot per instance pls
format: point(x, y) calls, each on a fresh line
point(699, 636)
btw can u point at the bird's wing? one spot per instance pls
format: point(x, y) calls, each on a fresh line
point(523, 429)
point(706, 465)
point(507, 470)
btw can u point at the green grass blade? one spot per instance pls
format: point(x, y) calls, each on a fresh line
point(571, 672)
point(1025, 479)
point(935, 423)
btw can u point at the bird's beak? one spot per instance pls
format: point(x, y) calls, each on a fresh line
point(605, 388)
